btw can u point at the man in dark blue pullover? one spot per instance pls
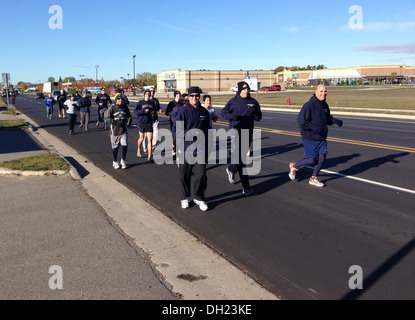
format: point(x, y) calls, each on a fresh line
point(171, 111)
point(313, 120)
point(103, 100)
point(84, 103)
point(241, 111)
point(193, 120)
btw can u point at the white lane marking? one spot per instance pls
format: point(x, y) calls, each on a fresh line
point(367, 181)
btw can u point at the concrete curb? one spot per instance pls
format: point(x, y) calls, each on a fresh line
point(28, 173)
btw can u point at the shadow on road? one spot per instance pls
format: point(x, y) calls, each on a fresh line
point(381, 271)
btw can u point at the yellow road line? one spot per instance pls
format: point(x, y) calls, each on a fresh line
point(340, 140)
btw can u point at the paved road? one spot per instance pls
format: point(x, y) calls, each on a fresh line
point(297, 240)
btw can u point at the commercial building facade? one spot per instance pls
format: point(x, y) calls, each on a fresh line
point(224, 80)
point(364, 74)
point(209, 80)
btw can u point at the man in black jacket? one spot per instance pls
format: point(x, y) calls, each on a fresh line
point(84, 104)
point(61, 100)
point(313, 120)
point(193, 121)
point(241, 111)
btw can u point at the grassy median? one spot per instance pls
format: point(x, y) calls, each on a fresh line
point(49, 161)
point(44, 162)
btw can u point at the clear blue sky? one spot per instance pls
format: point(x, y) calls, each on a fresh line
point(191, 35)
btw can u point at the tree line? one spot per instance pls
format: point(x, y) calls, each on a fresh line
point(297, 68)
point(142, 79)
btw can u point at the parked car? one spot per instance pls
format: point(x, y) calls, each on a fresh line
point(275, 87)
point(55, 93)
point(265, 89)
point(39, 95)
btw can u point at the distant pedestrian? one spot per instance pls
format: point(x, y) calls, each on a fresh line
point(77, 96)
point(61, 100)
point(241, 111)
point(119, 117)
point(120, 92)
point(71, 111)
point(313, 120)
point(193, 120)
point(103, 100)
point(213, 117)
point(13, 98)
point(155, 121)
point(145, 111)
point(172, 105)
point(49, 101)
point(84, 104)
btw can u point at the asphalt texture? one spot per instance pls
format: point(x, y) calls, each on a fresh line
point(85, 236)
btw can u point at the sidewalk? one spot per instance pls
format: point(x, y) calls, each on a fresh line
point(105, 249)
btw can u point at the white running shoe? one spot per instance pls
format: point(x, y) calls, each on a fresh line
point(293, 171)
point(315, 182)
point(116, 164)
point(185, 204)
point(202, 205)
point(230, 176)
point(247, 192)
point(123, 164)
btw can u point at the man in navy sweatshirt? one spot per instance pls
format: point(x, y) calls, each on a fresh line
point(84, 104)
point(193, 120)
point(103, 100)
point(241, 111)
point(313, 120)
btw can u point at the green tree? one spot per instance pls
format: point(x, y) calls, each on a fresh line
point(279, 69)
point(69, 79)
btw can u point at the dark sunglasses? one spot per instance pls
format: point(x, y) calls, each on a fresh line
point(194, 95)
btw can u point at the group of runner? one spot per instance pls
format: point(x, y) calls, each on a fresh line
point(241, 111)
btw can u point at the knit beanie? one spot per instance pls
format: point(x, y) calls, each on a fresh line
point(242, 85)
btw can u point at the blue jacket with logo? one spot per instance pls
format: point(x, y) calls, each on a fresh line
point(313, 120)
point(241, 112)
point(145, 117)
point(192, 118)
point(103, 98)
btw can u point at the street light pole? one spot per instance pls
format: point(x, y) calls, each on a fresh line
point(96, 73)
point(80, 78)
point(134, 73)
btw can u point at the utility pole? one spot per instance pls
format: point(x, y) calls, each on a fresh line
point(134, 74)
point(96, 73)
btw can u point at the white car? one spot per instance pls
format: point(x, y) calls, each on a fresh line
point(234, 89)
